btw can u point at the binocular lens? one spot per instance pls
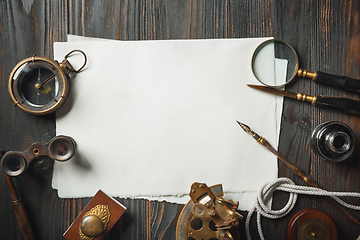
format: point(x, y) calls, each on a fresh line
point(62, 148)
point(13, 164)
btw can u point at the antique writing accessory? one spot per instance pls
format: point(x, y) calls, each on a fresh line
point(284, 51)
point(333, 141)
point(311, 224)
point(60, 148)
point(96, 219)
point(342, 104)
point(263, 142)
point(208, 215)
point(22, 218)
point(39, 85)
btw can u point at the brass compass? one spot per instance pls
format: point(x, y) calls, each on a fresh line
point(39, 85)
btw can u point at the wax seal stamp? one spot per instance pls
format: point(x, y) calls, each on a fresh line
point(96, 219)
point(94, 222)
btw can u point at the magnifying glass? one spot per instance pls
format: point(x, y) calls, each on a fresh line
point(275, 63)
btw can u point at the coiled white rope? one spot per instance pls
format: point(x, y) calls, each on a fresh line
point(287, 185)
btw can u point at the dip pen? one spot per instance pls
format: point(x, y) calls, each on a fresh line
point(262, 141)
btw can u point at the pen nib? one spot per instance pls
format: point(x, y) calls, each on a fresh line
point(246, 128)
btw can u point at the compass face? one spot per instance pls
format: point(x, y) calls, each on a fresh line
point(38, 86)
point(29, 83)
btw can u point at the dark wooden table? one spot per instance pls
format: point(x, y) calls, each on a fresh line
point(325, 33)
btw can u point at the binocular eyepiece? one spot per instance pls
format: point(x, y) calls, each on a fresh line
point(60, 148)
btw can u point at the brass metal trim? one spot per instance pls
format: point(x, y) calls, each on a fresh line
point(101, 211)
point(306, 98)
point(63, 79)
point(305, 73)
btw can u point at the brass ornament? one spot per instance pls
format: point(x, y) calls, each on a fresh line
point(39, 85)
point(208, 215)
point(94, 222)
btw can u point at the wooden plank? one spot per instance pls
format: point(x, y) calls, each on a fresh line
point(27, 28)
point(321, 36)
point(325, 34)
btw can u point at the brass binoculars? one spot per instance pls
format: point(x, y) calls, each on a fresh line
point(60, 148)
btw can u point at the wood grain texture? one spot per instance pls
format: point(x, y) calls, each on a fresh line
point(322, 39)
point(325, 33)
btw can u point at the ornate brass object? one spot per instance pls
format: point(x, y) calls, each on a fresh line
point(306, 98)
point(94, 222)
point(208, 215)
point(59, 148)
point(96, 219)
point(304, 73)
point(39, 85)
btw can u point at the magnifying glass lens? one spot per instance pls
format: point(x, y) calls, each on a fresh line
point(275, 63)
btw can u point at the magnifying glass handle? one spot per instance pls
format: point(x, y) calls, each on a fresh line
point(346, 83)
point(341, 104)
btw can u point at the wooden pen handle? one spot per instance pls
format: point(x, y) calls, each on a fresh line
point(20, 213)
point(297, 171)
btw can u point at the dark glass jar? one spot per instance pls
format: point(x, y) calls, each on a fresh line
point(333, 141)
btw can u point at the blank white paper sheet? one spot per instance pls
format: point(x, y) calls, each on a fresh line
point(152, 117)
